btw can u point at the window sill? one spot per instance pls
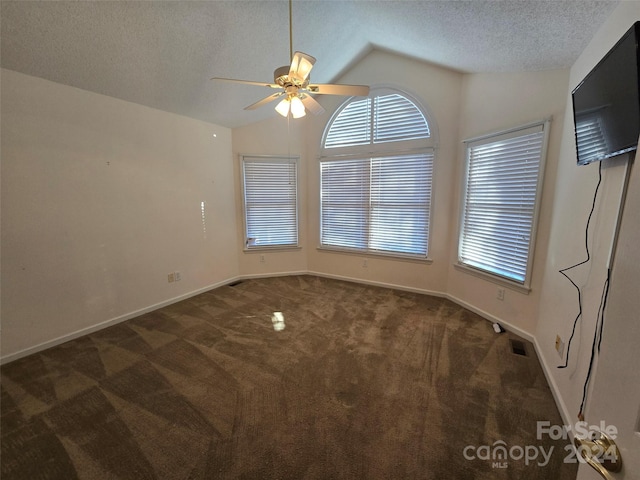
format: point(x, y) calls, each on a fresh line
point(525, 289)
point(272, 248)
point(389, 256)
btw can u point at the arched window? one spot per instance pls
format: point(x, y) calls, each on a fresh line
point(375, 176)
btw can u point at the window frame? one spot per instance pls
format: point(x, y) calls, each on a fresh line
point(370, 151)
point(282, 159)
point(525, 285)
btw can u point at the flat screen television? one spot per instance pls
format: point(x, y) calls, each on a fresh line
point(606, 104)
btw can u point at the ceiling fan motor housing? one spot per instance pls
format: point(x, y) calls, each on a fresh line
point(282, 78)
point(280, 72)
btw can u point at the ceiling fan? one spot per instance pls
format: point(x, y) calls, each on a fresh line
point(293, 81)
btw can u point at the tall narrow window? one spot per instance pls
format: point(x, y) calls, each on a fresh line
point(375, 177)
point(270, 201)
point(501, 196)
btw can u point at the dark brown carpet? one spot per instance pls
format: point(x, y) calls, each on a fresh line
point(362, 383)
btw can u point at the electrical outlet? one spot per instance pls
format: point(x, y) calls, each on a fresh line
point(365, 264)
point(559, 346)
point(171, 277)
point(177, 276)
point(500, 294)
point(262, 260)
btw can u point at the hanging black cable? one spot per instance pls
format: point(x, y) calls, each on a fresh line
point(604, 306)
point(564, 270)
point(597, 339)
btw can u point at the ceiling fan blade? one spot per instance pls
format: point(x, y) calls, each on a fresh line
point(264, 101)
point(311, 104)
point(247, 82)
point(346, 90)
point(301, 64)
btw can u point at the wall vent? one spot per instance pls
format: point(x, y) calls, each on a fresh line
point(518, 348)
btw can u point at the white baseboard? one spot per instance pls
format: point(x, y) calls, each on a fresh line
point(127, 316)
point(492, 318)
point(377, 284)
point(555, 391)
point(269, 275)
point(107, 323)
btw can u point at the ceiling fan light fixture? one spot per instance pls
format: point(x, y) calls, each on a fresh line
point(283, 107)
point(297, 107)
point(291, 104)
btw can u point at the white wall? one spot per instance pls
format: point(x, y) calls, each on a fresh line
point(101, 199)
point(574, 188)
point(494, 102)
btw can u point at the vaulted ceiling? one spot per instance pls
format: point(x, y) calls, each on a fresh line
point(162, 53)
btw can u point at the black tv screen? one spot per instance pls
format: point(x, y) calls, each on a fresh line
point(606, 104)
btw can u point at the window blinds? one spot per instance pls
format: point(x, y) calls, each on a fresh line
point(352, 126)
point(377, 204)
point(393, 118)
point(500, 202)
point(270, 202)
point(376, 184)
point(344, 203)
point(396, 118)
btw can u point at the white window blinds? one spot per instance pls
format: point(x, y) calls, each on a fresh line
point(270, 201)
point(500, 202)
point(377, 204)
point(344, 203)
point(376, 177)
point(393, 118)
point(352, 126)
point(396, 118)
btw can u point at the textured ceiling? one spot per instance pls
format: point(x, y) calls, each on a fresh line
point(162, 53)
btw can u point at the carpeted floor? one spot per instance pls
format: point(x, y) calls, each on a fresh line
point(362, 383)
